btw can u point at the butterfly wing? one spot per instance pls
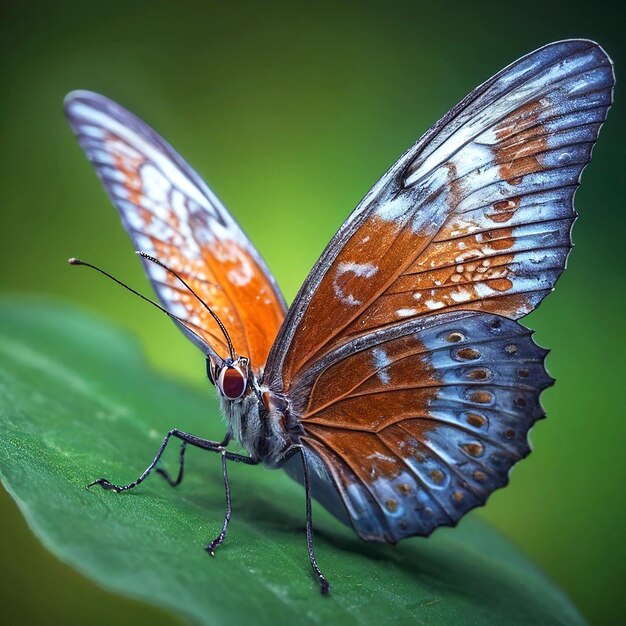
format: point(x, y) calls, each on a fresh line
point(418, 424)
point(170, 213)
point(400, 357)
point(476, 215)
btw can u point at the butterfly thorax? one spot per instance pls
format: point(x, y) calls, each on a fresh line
point(261, 429)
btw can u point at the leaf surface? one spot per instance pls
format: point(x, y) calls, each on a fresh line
point(78, 401)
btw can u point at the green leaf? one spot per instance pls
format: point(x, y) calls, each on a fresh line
point(78, 401)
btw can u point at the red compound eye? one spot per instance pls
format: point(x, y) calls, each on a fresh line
point(232, 383)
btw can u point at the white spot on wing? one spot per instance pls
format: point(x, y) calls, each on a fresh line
point(242, 275)
point(381, 457)
point(92, 131)
point(362, 270)
point(461, 295)
point(241, 272)
point(155, 186)
point(100, 156)
point(394, 208)
point(124, 150)
point(381, 361)
point(111, 173)
point(434, 304)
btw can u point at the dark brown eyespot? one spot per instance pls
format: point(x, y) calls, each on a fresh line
point(232, 382)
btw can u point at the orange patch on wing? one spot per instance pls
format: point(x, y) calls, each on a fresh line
point(351, 284)
point(517, 154)
point(248, 295)
point(229, 280)
point(446, 275)
point(192, 271)
point(345, 477)
point(400, 362)
point(521, 120)
point(356, 403)
point(503, 210)
point(226, 276)
point(374, 412)
point(363, 453)
point(129, 167)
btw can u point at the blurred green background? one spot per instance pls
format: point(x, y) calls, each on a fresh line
point(291, 111)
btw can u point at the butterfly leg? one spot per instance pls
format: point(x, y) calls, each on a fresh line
point(186, 438)
point(213, 545)
point(324, 586)
point(238, 458)
point(174, 482)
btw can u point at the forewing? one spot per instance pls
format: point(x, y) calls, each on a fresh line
point(170, 213)
point(416, 425)
point(476, 215)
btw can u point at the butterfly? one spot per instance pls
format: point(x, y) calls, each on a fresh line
point(399, 386)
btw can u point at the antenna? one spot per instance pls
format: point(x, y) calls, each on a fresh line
point(74, 261)
point(231, 348)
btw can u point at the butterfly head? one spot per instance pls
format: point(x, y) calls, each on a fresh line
point(230, 376)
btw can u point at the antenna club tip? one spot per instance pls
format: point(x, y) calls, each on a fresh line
point(74, 261)
point(148, 257)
